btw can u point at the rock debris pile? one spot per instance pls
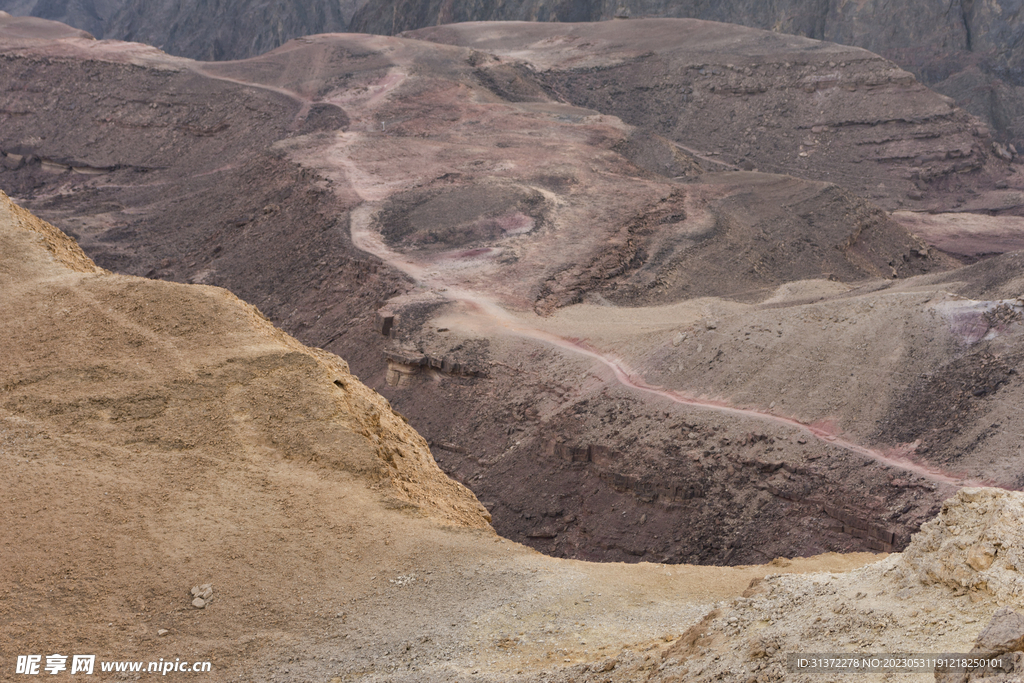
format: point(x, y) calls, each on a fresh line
point(955, 589)
point(202, 595)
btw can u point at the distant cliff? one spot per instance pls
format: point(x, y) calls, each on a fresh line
point(198, 29)
point(965, 49)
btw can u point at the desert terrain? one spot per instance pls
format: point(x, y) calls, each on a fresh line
point(159, 436)
point(626, 345)
point(641, 295)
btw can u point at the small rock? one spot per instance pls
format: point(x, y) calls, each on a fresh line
point(162, 632)
point(199, 603)
point(1001, 151)
point(980, 556)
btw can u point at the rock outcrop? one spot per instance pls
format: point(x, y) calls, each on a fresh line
point(974, 544)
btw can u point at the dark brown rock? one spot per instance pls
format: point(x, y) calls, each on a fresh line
point(1004, 633)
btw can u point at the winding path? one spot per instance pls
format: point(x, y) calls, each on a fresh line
point(368, 240)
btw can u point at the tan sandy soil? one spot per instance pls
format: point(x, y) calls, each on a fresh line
point(936, 597)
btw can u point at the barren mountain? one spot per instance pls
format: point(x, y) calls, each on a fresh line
point(627, 348)
point(157, 436)
point(965, 49)
point(758, 100)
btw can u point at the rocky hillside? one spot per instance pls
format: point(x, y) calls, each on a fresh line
point(158, 437)
point(196, 28)
point(718, 349)
point(162, 441)
point(713, 351)
point(940, 595)
point(723, 91)
point(965, 49)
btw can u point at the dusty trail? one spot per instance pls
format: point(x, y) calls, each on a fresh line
point(305, 103)
point(491, 314)
point(352, 101)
